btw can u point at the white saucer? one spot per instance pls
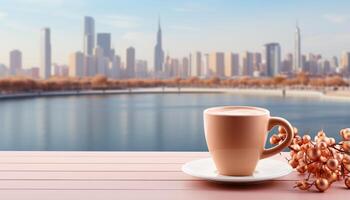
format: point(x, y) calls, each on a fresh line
point(266, 169)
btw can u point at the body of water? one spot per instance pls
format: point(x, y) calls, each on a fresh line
point(144, 122)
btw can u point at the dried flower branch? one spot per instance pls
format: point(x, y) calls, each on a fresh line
point(322, 160)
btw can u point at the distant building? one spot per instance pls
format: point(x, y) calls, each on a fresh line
point(60, 70)
point(35, 72)
point(115, 67)
point(174, 67)
point(345, 63)
point(158, 53)
point(312, 65)
point(206, 65)
point(3, 70)
point(287, 64)
point(196, 64)
point(257, 62)
point(141, 69)
point(231, 64)
point(247, 64)
point(326, 68)
point(76, 64)
point(272, 59)
point(167, 65)
point(185, 67)
point(334, 62)
point(45, 54)
point(104, 42)
point(217, 64)
point(303, 63)
point(297, 64)
point(89, 65)
point(89, 35)
point(15, 61)
point(130, 62)
point(100, 61)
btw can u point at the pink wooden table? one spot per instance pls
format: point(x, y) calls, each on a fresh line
point(130, 175)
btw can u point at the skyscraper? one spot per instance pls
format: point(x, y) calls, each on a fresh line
point(185, 67)
point(313, 64)
point(141, 69)
point(115, 67)
point(334, 62)
point(89, 66)
point(167, 65)
point(231, 64)
point(76, 64)
point(130, 62)
point(89, 35)
point(205, 65)
point(272, 59)
point(100, 62)
point(303, 63)
point(326, 68)
point(104, 42)
point(256, 61)
point(60, 70)
point(15, 61)
point(45, 60)
point(247, 64)
point(297, 65)
point(217, 64)
point(345, 63)
point(287, 64)
point(158, 52)
point(196, 64)
point(174, 67)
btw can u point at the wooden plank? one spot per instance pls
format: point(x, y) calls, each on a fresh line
point(52, 167)
point(271, 191)
point(175, 158)
point(114, 185)
point(91, 160)
point(94, 176)
point(102, 154)
point(106, 175)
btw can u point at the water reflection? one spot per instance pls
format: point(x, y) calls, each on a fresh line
point(143, 122)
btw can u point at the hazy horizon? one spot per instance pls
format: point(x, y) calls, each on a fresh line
point(187, 26)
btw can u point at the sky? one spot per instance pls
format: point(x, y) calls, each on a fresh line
point(187, 25)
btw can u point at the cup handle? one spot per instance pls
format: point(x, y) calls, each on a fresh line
point(274, 121)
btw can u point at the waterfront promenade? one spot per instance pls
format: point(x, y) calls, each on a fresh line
point(341, 95)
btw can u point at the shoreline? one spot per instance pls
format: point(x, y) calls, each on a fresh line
point(332, 96)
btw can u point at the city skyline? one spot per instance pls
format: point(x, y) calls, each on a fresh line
point(100, 58)
point(183, 21)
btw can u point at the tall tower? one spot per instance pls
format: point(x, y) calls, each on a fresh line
point(231, 64)
point(15, 61)
point(272, 59)
point(247, 64)
point(89, 35)
point(76, 64)
point(196, 64)
point(158, 52)
point(45, 54)
point(217, 64)
point(297, 50)
point(130, 62)
point(104, 42)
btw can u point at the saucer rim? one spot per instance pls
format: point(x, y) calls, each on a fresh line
point(236, 179)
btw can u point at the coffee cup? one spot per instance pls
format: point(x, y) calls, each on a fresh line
point(236, 137)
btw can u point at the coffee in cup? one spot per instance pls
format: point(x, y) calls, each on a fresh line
point(236, 136)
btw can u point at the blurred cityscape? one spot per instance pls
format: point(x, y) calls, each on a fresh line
point(97, 57)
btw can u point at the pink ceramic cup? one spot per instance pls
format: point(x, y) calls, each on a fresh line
point(236, 136)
